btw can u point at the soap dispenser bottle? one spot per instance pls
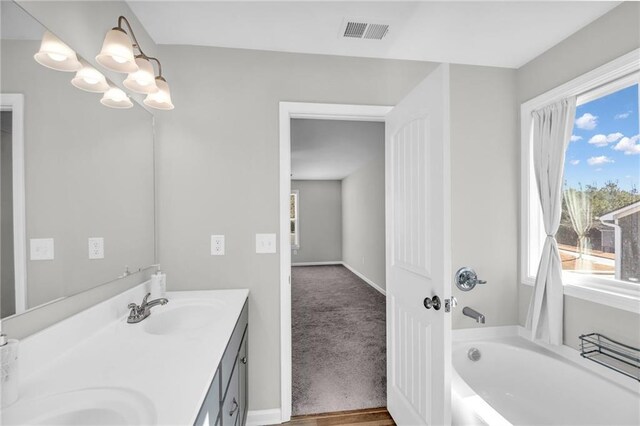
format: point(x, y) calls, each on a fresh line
point(158, 283)
point(8, 370)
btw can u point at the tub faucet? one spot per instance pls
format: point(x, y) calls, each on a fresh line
point(472, 313)
point(139, 313)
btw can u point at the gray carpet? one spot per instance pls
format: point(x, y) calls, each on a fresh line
point(339, 341)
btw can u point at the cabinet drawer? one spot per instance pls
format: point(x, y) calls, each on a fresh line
point(231, 403)
point(230, 354)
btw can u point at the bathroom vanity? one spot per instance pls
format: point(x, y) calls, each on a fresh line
point(226, 402)
point(187, 363)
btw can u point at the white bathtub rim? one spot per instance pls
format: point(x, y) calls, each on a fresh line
point(567, 352)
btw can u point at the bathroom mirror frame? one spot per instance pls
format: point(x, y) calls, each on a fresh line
point(15, 103)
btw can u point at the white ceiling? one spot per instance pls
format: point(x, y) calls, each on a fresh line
point(332, 149)
point(502, 33)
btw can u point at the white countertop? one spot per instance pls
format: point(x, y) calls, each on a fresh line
point(173, 371)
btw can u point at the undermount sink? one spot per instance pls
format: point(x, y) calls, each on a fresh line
point(93, 406)
point(181, 317)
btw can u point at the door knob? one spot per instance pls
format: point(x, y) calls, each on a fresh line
point(432, 303)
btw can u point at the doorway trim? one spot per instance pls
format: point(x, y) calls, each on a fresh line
point(316, 111)
point(15, 104)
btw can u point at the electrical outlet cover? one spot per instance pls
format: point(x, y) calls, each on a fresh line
point(217, 245)
point(265, 243)
point(96, 248)
point(41, 248)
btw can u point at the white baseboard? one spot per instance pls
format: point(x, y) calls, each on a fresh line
point(365, 279)
point(264, 417)
point(336, 262)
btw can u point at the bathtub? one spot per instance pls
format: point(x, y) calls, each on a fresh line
point(517, 382)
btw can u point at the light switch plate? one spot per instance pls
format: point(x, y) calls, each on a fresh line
point(217, 245)
point(265, 243)
point(41, 248)
point(96, 248)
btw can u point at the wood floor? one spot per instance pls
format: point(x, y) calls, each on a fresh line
point(368, 417)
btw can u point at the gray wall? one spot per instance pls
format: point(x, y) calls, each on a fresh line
point(484, 190)
point(82, 25)
point(218, 169)
point(363, 227)
point(320, 221)
point(7, 287)
point(611, 36)
point(88, 173)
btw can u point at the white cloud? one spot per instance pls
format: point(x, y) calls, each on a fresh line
point(598, 140)
point(603, 140)
point(587, 121)
point(622, 115)
point(575, 138)
point(630, 146)
point(602, 159)
point(599, 169)
point(574, 162)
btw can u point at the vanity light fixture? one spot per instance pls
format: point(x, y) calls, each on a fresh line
point(116, 98)
point(90, 79)
point(143, 80)
point(118, 55)
point(162, 98)
point(56, 55)
point(117, 50)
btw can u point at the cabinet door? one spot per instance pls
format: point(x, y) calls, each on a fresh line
point(211, 406)
point(231, 403)
point(243, 378)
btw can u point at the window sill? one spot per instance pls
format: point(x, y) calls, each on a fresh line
point(616, 294)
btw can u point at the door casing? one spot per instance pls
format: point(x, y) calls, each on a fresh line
point(316, 111)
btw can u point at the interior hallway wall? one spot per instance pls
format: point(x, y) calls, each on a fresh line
point(363, 218)
point(218, 169)
point(320, 221)
point(605, 39)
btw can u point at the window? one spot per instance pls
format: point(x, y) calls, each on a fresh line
point(599, 234)
point(293, 216)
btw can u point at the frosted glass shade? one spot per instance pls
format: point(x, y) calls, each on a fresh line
point(90, 79)
point(117, 52)
point(56, 55)
point(143, 80)
point(160, 99)
point(116, 98)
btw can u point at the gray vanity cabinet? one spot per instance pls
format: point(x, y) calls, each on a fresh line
point(226, 402)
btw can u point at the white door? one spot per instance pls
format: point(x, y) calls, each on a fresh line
point(418, 254)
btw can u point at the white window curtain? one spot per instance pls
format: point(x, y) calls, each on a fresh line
point(552, 127)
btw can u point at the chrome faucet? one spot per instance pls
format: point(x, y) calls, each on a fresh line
point(472, 313)
point(139, 313)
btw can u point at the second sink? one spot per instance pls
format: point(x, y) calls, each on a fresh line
point(182, 317)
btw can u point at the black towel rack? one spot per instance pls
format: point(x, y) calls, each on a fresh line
point(617, 356)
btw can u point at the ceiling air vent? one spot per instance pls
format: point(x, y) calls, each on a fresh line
point(364, 30)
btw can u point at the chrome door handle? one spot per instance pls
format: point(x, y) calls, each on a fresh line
point(235, 407)
point(243, 360)
point(432, 303)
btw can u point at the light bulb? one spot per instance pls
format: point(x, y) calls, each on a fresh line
point(56, 55)
point(90, 79)
point(142, 81)
point(160, 99)
point(116, 98)
point(117, 52)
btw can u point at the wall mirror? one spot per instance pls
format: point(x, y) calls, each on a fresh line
point(76, 179)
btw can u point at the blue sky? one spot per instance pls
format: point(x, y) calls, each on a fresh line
point(606, 143)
